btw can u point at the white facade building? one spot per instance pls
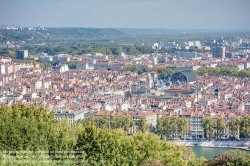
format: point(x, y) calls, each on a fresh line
point(197, 43)
point(207, 102)
point(71, 115)
point(2, 69)
point(155, 46)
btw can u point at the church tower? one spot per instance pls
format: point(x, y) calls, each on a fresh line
point(217, 92)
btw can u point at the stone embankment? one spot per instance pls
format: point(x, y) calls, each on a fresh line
point(245, 145)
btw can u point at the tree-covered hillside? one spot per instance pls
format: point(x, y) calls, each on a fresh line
point(59, 35)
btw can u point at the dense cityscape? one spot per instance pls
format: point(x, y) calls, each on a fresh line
point(183, 90)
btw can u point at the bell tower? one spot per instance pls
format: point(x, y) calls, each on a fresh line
point(217, 92)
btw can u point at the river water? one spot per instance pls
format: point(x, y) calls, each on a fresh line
point(209, 153)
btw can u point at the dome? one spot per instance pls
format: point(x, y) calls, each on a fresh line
point(187, 76)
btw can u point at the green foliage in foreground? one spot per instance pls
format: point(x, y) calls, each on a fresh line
point(32, 136)
point(26, 130)
point(112, 147)
point(230, 158)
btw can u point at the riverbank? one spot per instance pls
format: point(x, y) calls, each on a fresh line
point(244, 145)
point(210, 152)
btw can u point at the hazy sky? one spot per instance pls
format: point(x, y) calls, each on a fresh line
point(173, 14)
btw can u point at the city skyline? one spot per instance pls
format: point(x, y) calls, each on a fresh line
point(191, 14)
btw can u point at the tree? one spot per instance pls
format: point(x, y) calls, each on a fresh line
point(234, 127)
point(208, 126)
point(231, 157)
point(154, 162)
point(87, 121)
point(72, 64)
point(159, 127)
point(26, 128)
point(245, 126)
point(173, 126)
point(121, 122)
point(102, 121)
point(112, 147)
point(217, 71)
point(197, 161)
point(170, 126)
point(165, 127)
point(182, 124)
point(221, 126)
point(98, 121)
point(162, 72)
point(244, 73)
point(142, 124)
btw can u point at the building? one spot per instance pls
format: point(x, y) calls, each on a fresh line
point(185, 55)
point(182, 68)
point(71, 115)
point(195, 129)
point(152, 80)
point(138, 88)
point(83, 66)
point(45, 59)
point(190, 43)
point(122, 55)
point(150, 116)
point(177, 92)
point(218, 52)
point(228, 54)
point(21, 54)
point(2, 69)
point(61, 58)
point(183, 77)
point(60, 68)
point(197, 43)
point(217, 92)
point(5, 60)
point(155, 46)
point(207, 102)
point(36, 84)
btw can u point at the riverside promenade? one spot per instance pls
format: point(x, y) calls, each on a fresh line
point(244, 145)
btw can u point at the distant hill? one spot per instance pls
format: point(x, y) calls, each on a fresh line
point(123, 35)
point(34, 36)
point(159, 31)
point(84, 32)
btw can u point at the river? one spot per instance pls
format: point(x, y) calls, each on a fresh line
point(209, 153)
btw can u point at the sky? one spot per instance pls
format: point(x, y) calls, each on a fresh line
point(167, 14)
